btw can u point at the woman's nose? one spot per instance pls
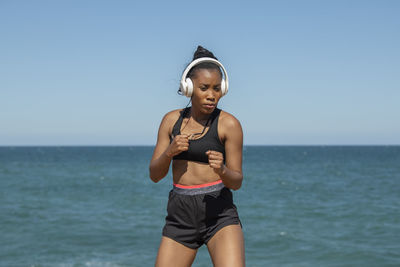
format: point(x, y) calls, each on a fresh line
point(210, 95)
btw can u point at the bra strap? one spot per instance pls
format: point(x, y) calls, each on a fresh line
point(178, 123)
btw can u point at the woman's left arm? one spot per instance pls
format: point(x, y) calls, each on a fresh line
point(230, 172)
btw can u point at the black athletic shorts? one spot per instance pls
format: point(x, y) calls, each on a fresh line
point(196, 213)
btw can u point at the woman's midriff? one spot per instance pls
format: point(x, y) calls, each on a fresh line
point(192, 173)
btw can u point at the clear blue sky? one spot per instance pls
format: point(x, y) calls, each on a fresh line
point(105, 72)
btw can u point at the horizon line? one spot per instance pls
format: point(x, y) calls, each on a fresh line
point(147, 145)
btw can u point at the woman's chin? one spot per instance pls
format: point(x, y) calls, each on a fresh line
point(208, 108)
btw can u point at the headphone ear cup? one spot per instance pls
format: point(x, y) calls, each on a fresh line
point(224, 89)
point(183, 88)
point(189, 87)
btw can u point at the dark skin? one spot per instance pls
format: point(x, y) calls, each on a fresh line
point(226, 247)
point(207, 84)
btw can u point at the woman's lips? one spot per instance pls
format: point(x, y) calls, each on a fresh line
point(209, 105)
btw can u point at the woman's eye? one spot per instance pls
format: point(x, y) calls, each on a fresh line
point(203, 88)
point(217, 89)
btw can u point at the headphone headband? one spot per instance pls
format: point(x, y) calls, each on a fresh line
point(201, 60)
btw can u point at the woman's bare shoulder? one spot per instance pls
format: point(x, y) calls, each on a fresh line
point(168, 121)
point(228, 121)
point(172, 116)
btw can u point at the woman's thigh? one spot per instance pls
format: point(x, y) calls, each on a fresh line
point(226, 247)
point(172, 253)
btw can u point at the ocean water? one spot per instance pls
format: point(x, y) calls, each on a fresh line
point(299, 205)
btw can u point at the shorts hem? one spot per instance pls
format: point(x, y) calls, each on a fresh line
point(181, 242)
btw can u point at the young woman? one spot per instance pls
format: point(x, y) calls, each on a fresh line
point(204, 144)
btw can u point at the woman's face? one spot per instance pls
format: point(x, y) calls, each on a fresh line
point(206, 90)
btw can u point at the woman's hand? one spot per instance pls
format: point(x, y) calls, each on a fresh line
point(216, 161)
point(179, 143)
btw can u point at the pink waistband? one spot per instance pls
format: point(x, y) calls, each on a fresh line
point(198, 185)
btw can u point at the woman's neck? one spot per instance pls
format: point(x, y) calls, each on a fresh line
point(199, 116)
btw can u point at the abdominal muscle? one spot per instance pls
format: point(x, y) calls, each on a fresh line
point(192, 173)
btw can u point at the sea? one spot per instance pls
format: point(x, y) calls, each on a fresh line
point(299, 206)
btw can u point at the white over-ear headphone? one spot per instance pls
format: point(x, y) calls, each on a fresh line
point(186, 86)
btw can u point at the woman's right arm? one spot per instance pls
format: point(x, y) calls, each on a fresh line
point(164, 150)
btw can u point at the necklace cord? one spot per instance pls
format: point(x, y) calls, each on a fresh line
point(194, 134)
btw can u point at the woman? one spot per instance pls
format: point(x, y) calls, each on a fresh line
point(204, 144)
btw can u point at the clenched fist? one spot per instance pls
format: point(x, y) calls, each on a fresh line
point(179, 143)
point(216, 161)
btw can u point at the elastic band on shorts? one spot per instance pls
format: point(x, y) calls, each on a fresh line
point(198, 189)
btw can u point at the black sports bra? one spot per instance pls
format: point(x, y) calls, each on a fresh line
point(198, 147)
